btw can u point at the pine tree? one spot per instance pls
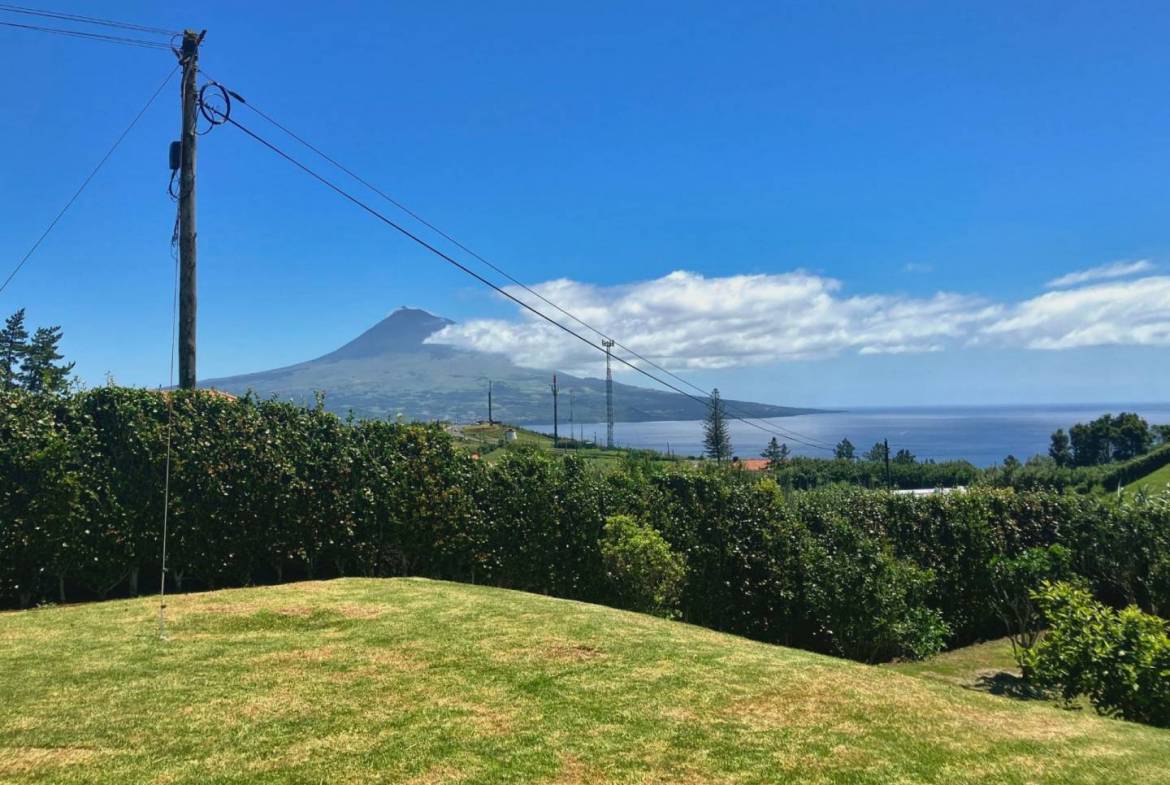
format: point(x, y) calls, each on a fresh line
point(844, 451)
point(13, 347)
point(40, 371)
point(716, 438)
point(775, 452)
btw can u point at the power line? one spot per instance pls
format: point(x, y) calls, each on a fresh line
point(775, 430)
point(87, 180)
point(460, 265)
point(170, 395)
point(108, 39)
point(93, 20)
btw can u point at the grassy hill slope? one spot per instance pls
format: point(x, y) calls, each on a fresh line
point(1155, 481)
point(417, 681)
point(488, 441)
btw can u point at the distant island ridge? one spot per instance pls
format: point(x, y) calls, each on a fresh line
point(390, 370)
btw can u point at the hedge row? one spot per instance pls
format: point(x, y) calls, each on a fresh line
point(807, 473)
point(267, 492)
point(1044, 473)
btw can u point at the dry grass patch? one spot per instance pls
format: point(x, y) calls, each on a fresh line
point(28, 760)
point(296, 656)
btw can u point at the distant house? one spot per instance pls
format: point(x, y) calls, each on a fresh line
point(928, 491)
point(752, 464)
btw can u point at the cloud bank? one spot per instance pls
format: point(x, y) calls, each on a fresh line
point(685, 320)
point(1122, 269)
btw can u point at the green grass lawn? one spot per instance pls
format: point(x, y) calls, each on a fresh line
point(987, 667)
point(485, 439)
point(1154, 481)
point(964, 667)
point(415, 681)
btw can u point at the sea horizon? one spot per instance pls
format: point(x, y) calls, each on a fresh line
point(982, 434)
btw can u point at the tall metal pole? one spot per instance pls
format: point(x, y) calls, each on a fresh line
point(608, 344)
point(189, 57)
point(571, 433)
point(490, 402)
point(556, 436)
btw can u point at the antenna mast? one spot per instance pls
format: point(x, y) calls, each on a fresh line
point(556, 435)
point(608, 344)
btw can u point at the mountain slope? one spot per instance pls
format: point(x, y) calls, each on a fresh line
point(389, 369)
point(415, 681)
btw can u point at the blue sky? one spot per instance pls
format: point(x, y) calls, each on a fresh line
point(869, 156)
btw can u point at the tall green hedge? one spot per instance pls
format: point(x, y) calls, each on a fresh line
point(265, 492)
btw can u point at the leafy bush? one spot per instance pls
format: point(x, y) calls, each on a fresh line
point(800, 473)
point(1014, 579)
point(40, 493)
point(645, 574)
point(870, 604)
point(1043, 473)
point(1119, 659)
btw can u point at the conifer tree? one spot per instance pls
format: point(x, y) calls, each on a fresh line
point(41, 371)
point(775, 452)
point(13, 347)
point(716, 438)
point(844, 451)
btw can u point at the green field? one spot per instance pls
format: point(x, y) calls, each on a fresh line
point(487, 440)
point(1154, 481)
point(415, 681)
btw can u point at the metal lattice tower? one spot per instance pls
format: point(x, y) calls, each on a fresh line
point(556, 427)
point(608, 344)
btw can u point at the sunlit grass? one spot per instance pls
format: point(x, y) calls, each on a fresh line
point(424, 682)
point(1154, 482)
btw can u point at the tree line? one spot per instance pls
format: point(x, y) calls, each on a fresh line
point(32, 362)
point(1107, 439)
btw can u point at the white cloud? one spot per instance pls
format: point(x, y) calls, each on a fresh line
point(1103, 272)
point(1109, 314)
point(687, 321)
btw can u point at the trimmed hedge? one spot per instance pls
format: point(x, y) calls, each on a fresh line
point(264, 492)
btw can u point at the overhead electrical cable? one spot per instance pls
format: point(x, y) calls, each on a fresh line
point(460, 265)
point(87, 180)
point(101, 37)
point(170, 396)
point(93, 20)
point(773, 429)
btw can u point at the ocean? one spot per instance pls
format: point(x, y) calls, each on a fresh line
point(983, 435)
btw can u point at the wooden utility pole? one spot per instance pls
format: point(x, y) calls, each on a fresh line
point(490, 402)
point(889, 482)
point(189, 57)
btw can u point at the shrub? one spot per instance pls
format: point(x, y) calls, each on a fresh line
point(645, 574)
point(869, 603)
point(1119, 659)
point(1013, 580)
point(39, 493)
